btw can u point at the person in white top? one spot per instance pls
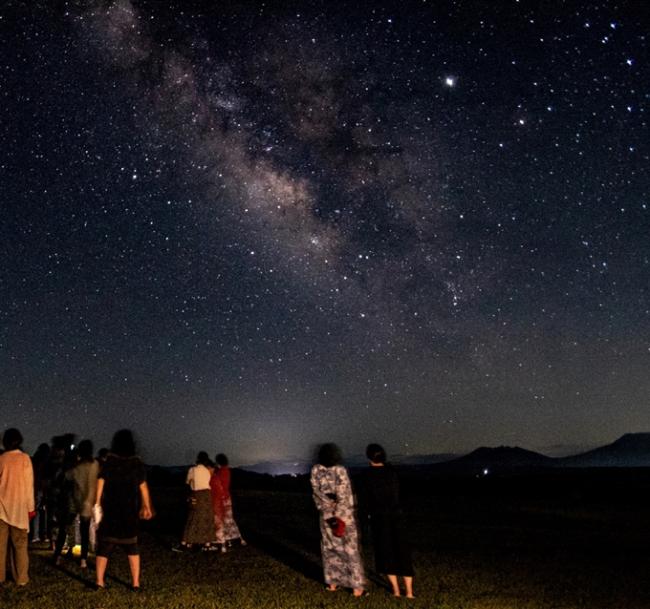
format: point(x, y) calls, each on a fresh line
point(17, 506)
point(200, 527)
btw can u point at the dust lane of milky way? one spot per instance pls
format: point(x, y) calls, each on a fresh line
point(255, 228)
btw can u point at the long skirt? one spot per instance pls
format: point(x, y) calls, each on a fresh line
point(199, 527)
point(227, 529)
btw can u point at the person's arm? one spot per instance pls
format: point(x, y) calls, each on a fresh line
point(29, 484)
point(92, 484)
point(100, 491)
point(323, 503)
point(146, 511)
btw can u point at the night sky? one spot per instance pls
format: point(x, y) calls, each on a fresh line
point(251, 227)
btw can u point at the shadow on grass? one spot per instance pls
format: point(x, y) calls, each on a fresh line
point(71, 571)
point(67, 569)
point(300, 560)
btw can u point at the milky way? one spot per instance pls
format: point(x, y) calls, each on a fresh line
point(253, 227)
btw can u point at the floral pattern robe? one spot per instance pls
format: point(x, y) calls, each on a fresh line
point(342, 563)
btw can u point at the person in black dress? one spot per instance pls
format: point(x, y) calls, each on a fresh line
point(123, 495)
point(381, 503)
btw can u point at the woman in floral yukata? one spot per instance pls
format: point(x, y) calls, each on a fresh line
point(332, 491)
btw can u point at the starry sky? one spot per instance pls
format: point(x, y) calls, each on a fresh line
point(255, 226)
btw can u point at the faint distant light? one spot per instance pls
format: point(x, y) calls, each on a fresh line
point(486, 471)
point(629, 61)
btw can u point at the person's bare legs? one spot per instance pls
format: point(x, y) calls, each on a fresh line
point(395, 584)
point(101, 563)
point(408, 583)
point(134, 565)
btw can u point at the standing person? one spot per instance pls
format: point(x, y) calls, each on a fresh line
point(227, 529)
point(381, 502)
point(53, 468)
point(17, 506)
point(39, 465)
point(332, 491)
point(199, 527)
point(123, 495)
point(84, 478)
point(64, 506)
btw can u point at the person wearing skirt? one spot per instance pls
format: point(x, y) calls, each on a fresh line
point(224, 521)
point(199, 527)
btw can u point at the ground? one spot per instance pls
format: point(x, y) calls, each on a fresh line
point(476, 547)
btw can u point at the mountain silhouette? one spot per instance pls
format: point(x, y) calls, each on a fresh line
point(487, 460)
point(630, 450)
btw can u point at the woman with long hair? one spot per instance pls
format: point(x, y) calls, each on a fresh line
point(123, 495)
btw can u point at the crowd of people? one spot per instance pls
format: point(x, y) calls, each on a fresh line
point(63, 484)
point(108, 497)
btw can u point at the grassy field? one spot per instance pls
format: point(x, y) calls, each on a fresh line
point(473, 550)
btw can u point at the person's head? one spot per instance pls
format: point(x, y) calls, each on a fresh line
point(42, 452)
point(12, 439)
point(329, 455)
point(123, 444)
point(59, 445)
point(203, 459)
point(376, 453)
point(85, 450)
point(102, 453)
point(221, 460)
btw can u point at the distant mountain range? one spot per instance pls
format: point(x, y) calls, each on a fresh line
point(630, 450)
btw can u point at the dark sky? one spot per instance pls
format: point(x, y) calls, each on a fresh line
point(251, 227)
